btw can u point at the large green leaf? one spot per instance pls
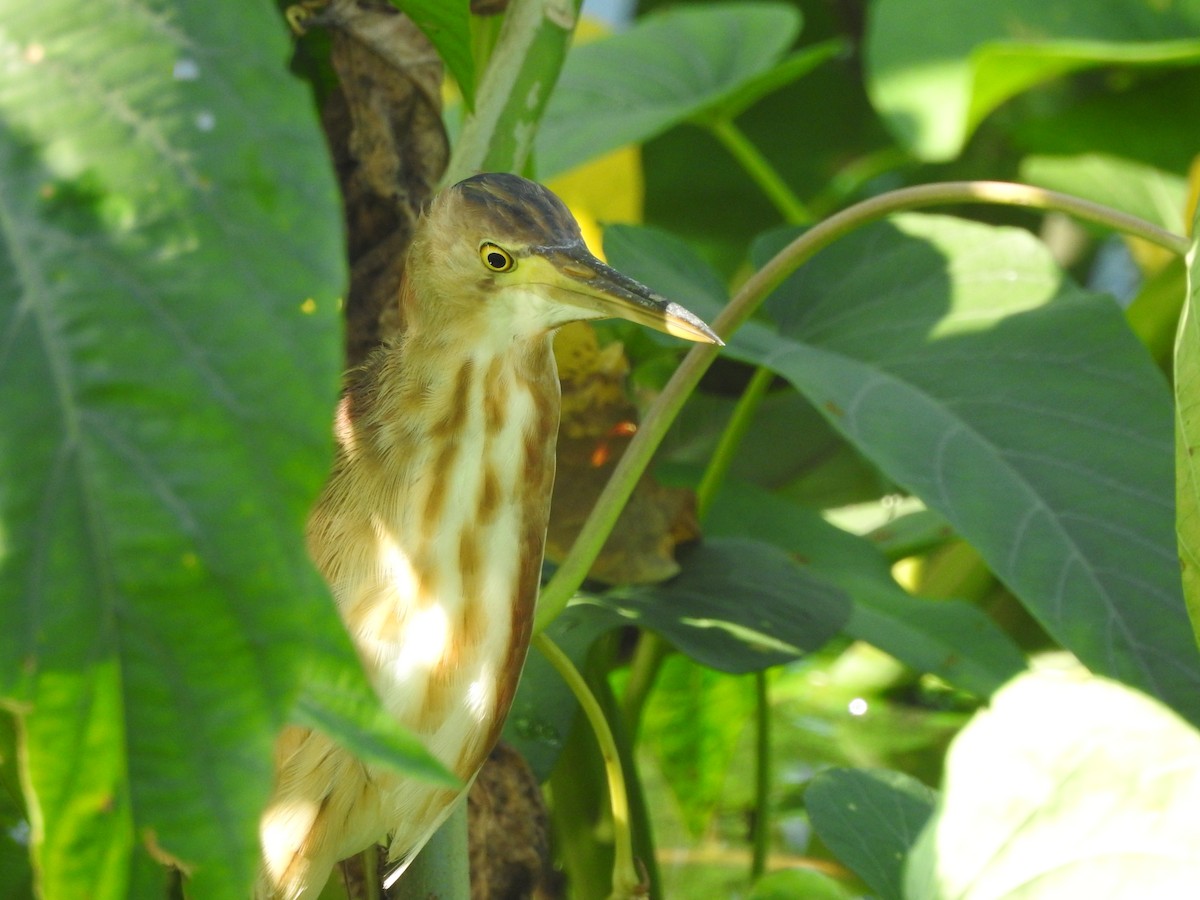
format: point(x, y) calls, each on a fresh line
point(1187, 434)
point(670, 67)
point(959, 359)
point(936, 68)
point(170, 262)
point(870, 818)
point(1067, 786)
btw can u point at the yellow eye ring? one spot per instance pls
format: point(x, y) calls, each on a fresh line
point(496, 258)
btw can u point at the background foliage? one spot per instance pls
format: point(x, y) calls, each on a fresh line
point(943, 448)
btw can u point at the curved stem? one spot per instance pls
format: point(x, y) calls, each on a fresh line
point(626, 881)
point(662, 412)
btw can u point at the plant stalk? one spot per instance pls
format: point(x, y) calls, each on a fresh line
point(760, 169)
point(626, 882)
point(762, 777)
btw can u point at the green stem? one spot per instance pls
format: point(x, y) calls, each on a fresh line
point(374, 888)
point(643, 672)
point(762, 777)
point(625, 880)
point(757, 167)
point(666, 407)
point(731, 439)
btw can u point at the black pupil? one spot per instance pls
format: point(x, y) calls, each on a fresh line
point(496, 260)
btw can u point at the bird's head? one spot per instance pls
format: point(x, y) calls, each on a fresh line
point(502, 256)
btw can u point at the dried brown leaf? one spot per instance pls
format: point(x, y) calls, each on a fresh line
point(597, 423)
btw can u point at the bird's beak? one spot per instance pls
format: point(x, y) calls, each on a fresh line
point(584, 281)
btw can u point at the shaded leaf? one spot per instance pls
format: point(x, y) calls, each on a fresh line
point(870, 818)
point(737, 606)
point(170, 259)
point(669, 67)
point(950, 638)
point(935, 69)
point(1069, 785)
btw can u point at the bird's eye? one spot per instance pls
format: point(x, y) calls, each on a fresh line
point(496, 258)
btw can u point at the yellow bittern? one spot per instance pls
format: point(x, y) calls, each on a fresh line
point(431, 528)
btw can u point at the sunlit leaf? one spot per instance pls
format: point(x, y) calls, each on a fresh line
point(936, 68)
point(692, 723)
point(870, 818)
point(1143, 191)
point(1187, 435)
point(668, 68)
point(170, 262)
point(788, 884)
point(1068, 785)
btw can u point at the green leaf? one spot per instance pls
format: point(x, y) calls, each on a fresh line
point(1069, 785)
point(737, 606)
point(936, 68)
point(1187, 435)
point(949, 638)
point(366, 729)
point(958, 358)
point(692, 723)
point(788, 884)
point(681, 64)
point(870, 818)
point(1135, 188)
point(170, 265)
point(514, 88)
point(448, 27)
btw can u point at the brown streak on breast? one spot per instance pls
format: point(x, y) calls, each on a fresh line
point(489, 493)
point(436, 699)
point(455, 405)
point(495, 396)
point(435, 499)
